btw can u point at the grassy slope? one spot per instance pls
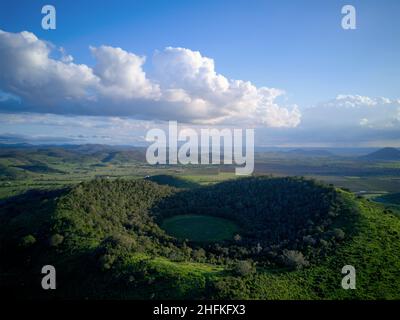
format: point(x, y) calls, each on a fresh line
point(172, 280)
point(373, 250)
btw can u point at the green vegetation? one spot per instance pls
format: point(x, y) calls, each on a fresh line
point(100, 215)
point(32, 168)
point(200, 228)
point(275, 214)
point(104, 238)
point(172, 181)
point(24, 168)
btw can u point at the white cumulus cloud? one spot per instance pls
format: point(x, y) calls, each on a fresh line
point(184, 86)
point(353, 111)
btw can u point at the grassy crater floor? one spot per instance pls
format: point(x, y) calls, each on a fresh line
point(200, 228)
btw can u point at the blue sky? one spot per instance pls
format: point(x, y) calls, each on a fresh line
point(298, 47)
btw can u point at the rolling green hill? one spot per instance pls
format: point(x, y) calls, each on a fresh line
point(106, 240)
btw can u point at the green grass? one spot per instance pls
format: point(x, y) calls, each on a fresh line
point(200, 228)
point(372, 249)
point(174, 280)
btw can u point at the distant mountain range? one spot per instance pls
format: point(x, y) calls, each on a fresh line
point(386, 154)
point(124, 152)
point(310, 153)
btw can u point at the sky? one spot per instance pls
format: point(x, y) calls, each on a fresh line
point(112, 69)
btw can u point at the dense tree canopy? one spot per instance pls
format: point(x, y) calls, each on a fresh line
point(105, 237)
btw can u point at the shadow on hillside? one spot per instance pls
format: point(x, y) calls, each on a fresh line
point(173, 181)
point(29, 208)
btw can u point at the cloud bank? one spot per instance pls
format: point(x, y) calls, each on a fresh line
point(184, 86)
point(42, 89)
point(354, 111)
point(345, 121)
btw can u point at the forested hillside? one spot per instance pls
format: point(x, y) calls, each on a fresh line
point(106, 240)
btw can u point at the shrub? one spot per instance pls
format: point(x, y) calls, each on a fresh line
point(230, 288)
point(339, 234)
point(199, 254)
point(244, 268)
point(106, 261)
point(56, 240)
point(119, 241)
point(27, 241)
point(294, 259)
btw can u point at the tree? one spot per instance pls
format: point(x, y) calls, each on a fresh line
point(244, 268)
point(339, 234)
point(27, 241)
point(294, 259)
point(199, 254)
point(56, 240)
point(106, 261)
